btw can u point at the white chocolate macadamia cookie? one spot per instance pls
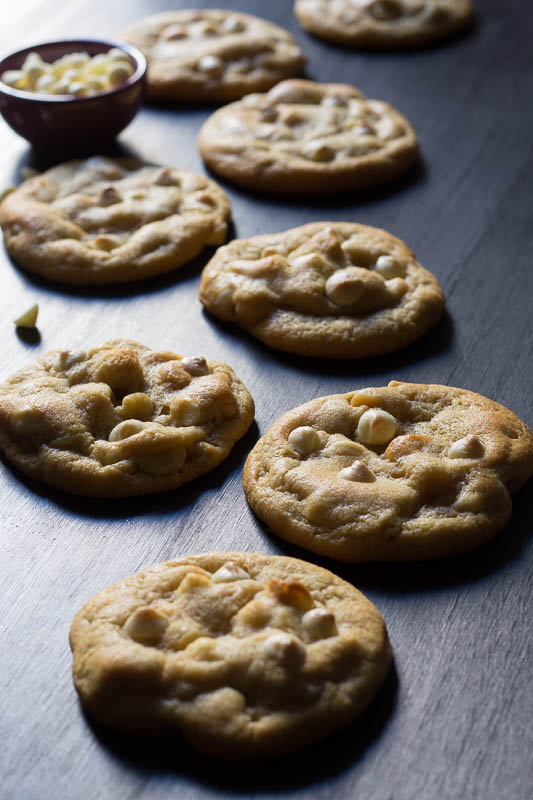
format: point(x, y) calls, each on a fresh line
point(245, 655)
point(393, 24)
point(213, 55)
point(308, 138)
point(404, 472)
point(105, 220)
point(121, 419)
point(331, 289)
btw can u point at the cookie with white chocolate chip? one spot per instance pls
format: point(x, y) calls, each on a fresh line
point(399, 473)
point(245, 655)
point(384, 24)
point(105, 220)
point(213, 54)
point(331, 289)
point(308, 138)
point(121, 420)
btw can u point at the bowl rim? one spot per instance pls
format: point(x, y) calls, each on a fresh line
point(130, 49)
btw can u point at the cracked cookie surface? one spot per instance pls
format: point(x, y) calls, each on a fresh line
point(384, 23)
point(403, 472)
point(246, 655)
point(213, 55)
point(306, 137)
point(331, 289)
point(105, 220)
point(121, 420)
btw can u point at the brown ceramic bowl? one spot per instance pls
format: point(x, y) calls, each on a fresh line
point(61, 122)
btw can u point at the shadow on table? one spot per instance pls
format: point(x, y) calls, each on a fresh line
point(436, 341)
point(437, 574)
point(318, 762)
point(160, 503)
point(334, 201)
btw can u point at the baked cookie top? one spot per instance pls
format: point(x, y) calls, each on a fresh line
point(404, 472)
point(105, 220)
point(384, 23)
point(332, 289)
point(246, 655)
point(211, 55)
point(308, 137)
point(121, 419)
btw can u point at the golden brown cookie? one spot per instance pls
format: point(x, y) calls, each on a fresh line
point(384, 24)
point(121, 419)
point(213, 54)
point(332, 289)
point(105, 220)
point(305, 137)
point(399, 473)
point(245, 655)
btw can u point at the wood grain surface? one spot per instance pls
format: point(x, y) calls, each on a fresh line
point(454, 719)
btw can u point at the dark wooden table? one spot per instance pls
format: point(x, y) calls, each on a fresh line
point(454, 719)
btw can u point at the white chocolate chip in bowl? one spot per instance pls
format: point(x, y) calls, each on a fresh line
point(376, 427)
point(358, 472)
point(469, 446)
point(304, 439)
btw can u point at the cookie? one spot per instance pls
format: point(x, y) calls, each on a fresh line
point(308, 138)
point(213, 55)
point(384, 24)
point(331, 289)
point(245, 655)
point(404, 472)
point(105, 220)
point(121, 419)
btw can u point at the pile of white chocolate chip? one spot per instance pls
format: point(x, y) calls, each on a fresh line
point(74, 74)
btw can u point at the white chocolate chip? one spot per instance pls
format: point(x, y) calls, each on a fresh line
point(284, 648)
point(389, 267)
point(319, 623)
point(124, 430)
point(195, 365)
point(467, 447)
point(334, 100)
point(67, 358)
point(305, 440)
point(25, 421)
point(318, 151)
point(109, 196)
point(186, 412)
point(146, 624)
point(119, 72)
point(211, 65)
point(233, 25)
point(358, 472)
point(376, 427)
point(229, 572)
point(274, 249)
point(138, 405)
point(308, 260)
point(29, 318)
point(166, 177)
point(345, 286)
